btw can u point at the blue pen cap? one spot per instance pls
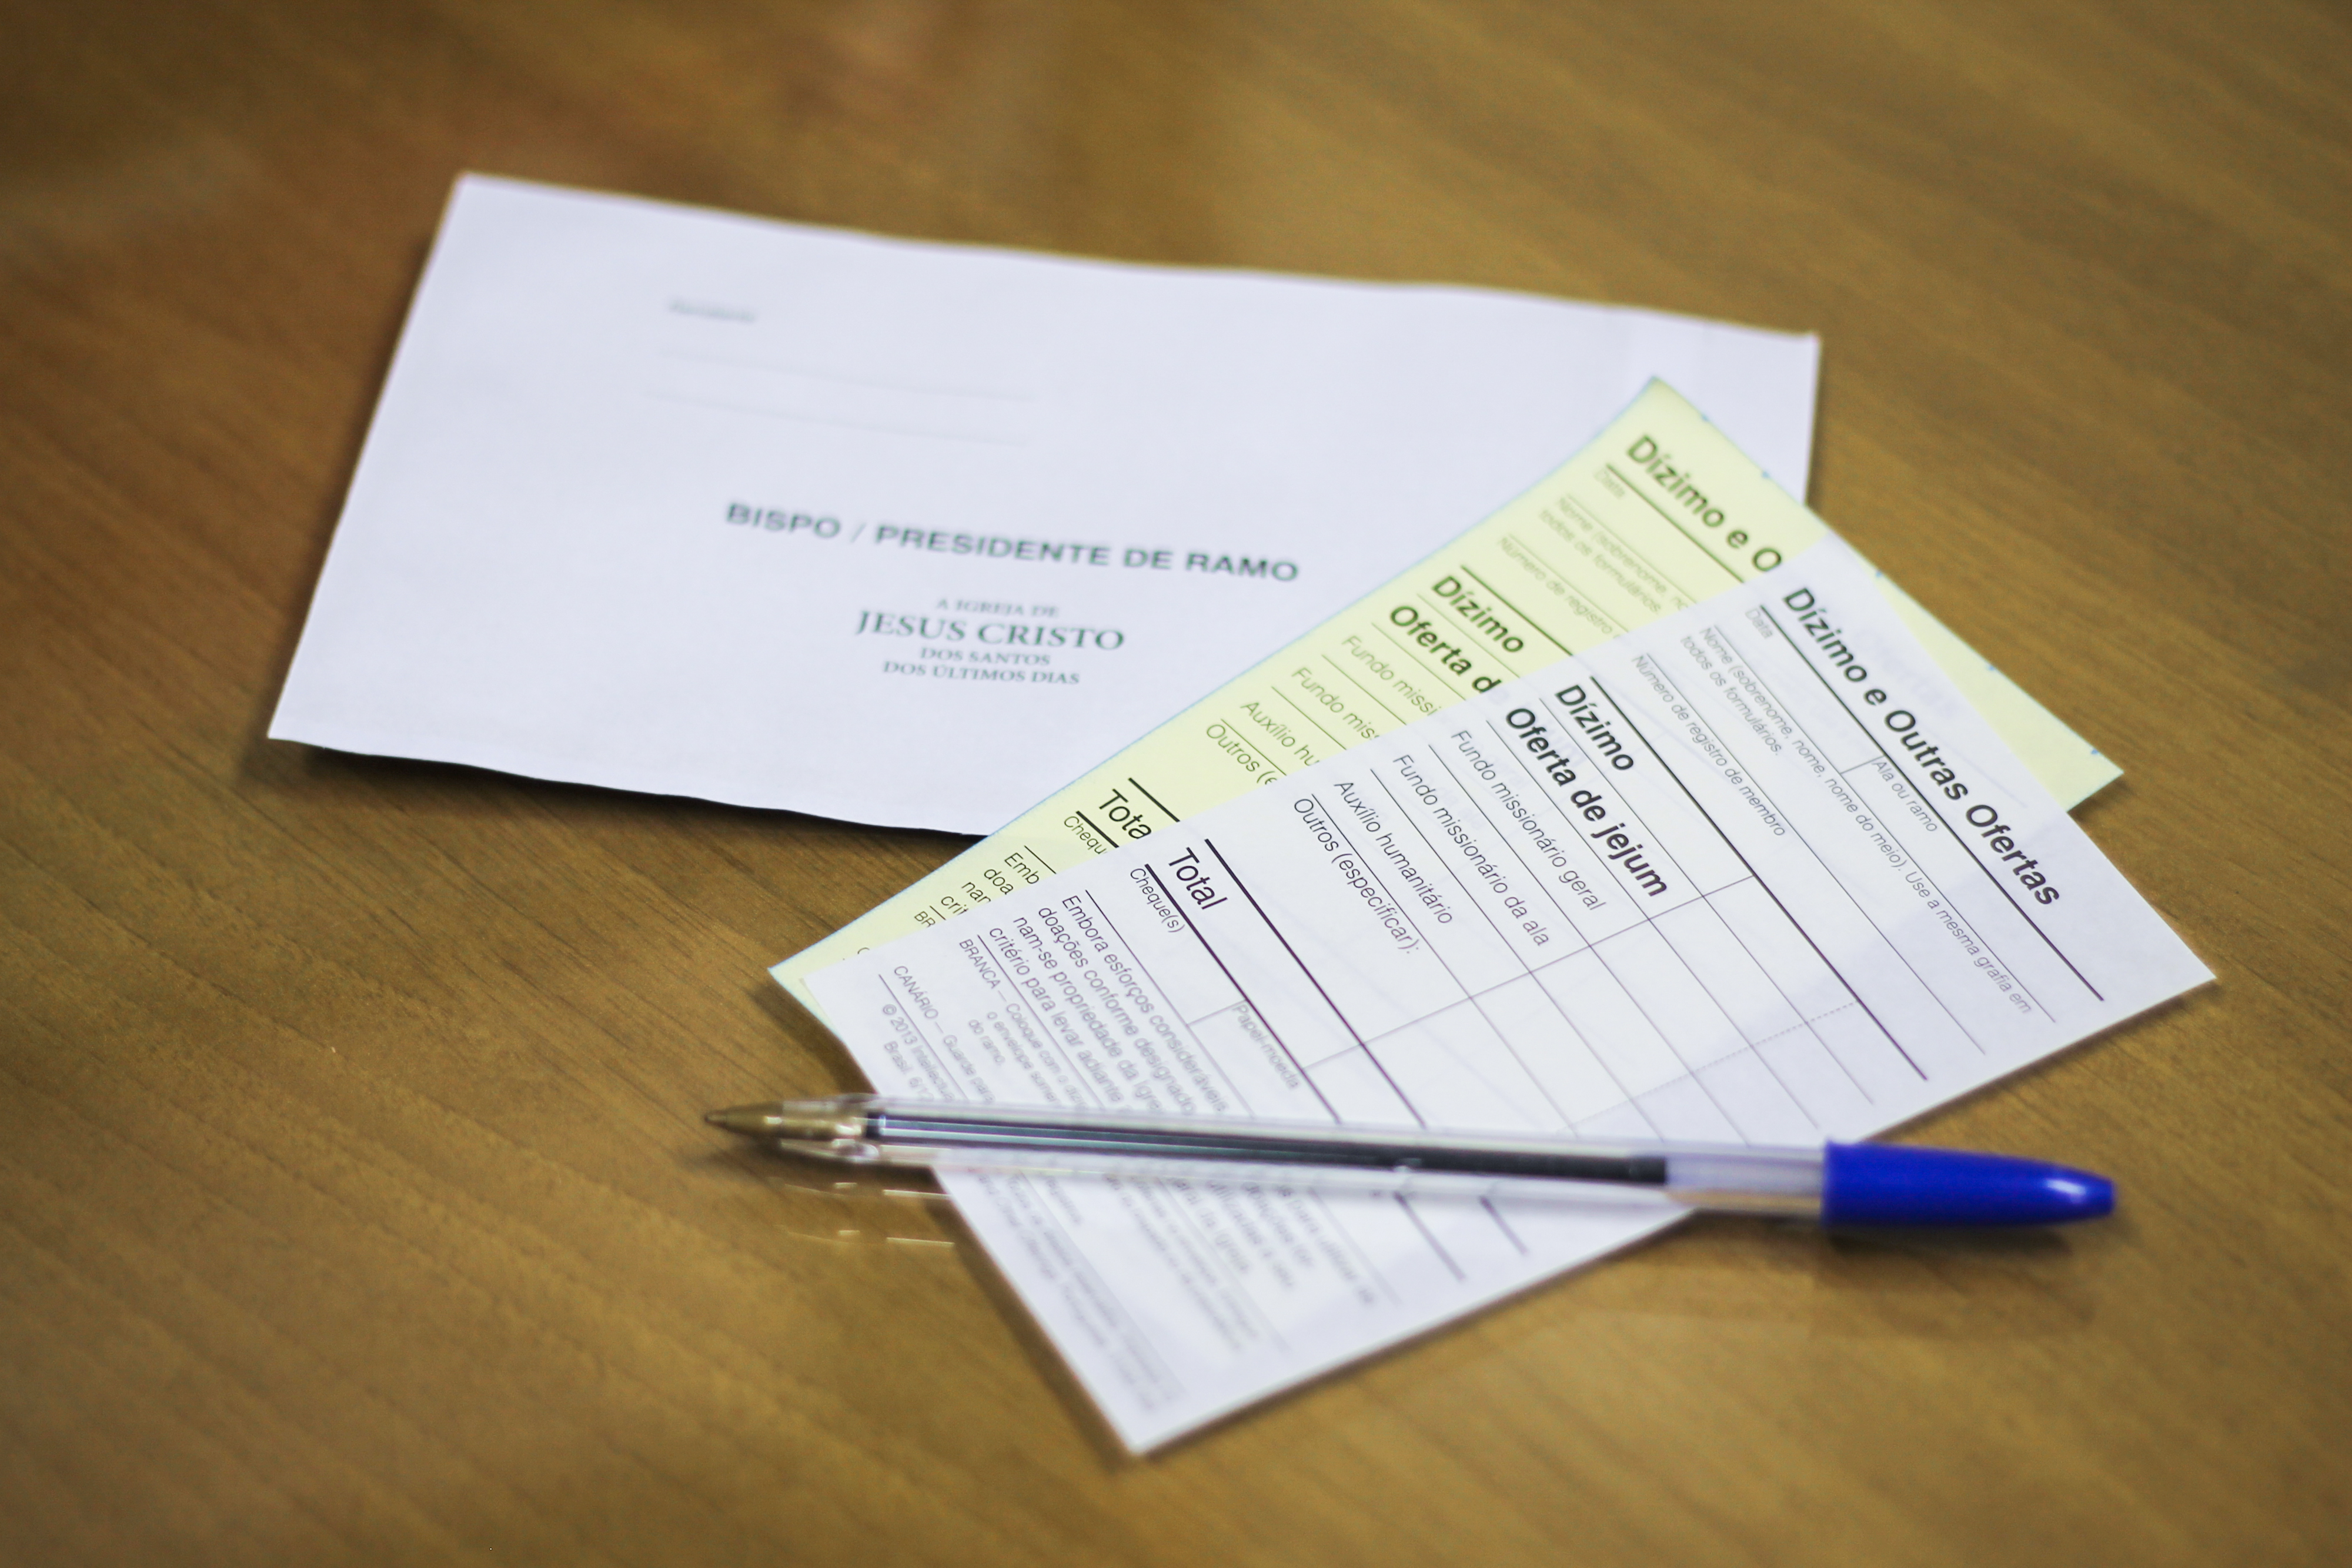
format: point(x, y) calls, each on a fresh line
point(1888, 1184)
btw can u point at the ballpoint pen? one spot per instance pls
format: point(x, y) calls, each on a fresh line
point(1839, 1183)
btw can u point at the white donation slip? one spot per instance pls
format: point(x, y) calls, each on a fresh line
point(1753, 873)
point(911, 534)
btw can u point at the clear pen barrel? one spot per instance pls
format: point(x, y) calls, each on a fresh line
point(1747, 1181)
point(1321, 1157)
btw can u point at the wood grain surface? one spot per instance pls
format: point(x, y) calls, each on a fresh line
point(353, 1204)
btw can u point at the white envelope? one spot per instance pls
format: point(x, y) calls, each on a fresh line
point(909, 534)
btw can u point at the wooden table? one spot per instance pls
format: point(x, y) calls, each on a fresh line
point(356, 1208)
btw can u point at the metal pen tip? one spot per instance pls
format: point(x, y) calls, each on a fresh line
point(794, 1120)
point(750, 1120)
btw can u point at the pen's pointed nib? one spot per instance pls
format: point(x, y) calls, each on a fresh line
point(750, 1120)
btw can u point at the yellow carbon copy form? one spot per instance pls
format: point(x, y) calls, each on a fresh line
point(1660, 511)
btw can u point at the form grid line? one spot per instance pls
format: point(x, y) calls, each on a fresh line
point(1802, 837)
